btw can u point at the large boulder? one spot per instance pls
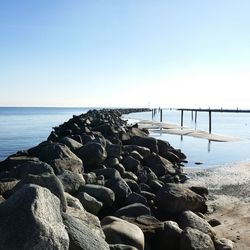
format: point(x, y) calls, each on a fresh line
point(72, 144)
point(172, 199)
point(58, 156)
point(31, 219)
point(92, 154)
point(118, 231)
point(49, 181)
point(81, 236)
point(193, 239)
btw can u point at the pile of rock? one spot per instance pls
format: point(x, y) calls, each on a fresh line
point(97, 183)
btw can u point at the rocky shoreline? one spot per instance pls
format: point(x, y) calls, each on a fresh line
point(98, 183)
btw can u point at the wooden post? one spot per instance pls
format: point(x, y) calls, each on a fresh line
point(182, 118)
point(161, 115)
point(210, 121)
point(195, 116)
point(192, 115)
point(152, 114)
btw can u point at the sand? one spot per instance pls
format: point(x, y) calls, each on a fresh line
point(160, 127)
point(228, 201)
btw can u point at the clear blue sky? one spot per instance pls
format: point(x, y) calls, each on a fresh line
point(125, 53)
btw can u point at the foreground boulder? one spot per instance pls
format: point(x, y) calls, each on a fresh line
point(118, 231)
point(31, 219)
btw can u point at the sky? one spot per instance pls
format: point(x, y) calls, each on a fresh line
point(133, 53)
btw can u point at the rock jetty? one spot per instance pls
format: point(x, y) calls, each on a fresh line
point(97, 183)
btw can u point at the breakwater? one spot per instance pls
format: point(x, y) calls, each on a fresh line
point(97, 183)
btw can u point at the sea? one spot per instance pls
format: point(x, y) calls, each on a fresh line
point(24, 127)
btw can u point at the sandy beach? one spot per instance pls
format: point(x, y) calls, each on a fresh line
point(228, 200)
point(168, 128)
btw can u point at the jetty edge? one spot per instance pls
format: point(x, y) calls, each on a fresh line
point(98, 183)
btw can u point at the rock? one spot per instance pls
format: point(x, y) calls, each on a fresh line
point(73, 201)
point(15, 160)
point(223, 244)
point(144, 151)
point(72, 144)
point(175, 198)
point(31, 219)
point(118, 231)
point(214, 222)
point(133, 185)
point(136, 155)
point(147, 142)
point(159, 165)
point(1, 199)
point(130, 163)
point(110, 162)
point(113, 151)
point(190, 219)
point(48, 181)
point(91, 178)
point(81, 236)
point(91, 204)
point(108, 173)
point(133, 210)
point(7, 185)
point(121, 247)
point(193, 239)
point(135, 198)
point(120, 188)
point(129, 175)
point(203, 191)
point(58, 156)
point(71, 181)
point(92, 154)
point(103, 194)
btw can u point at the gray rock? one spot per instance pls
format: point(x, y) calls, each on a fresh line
point(73, 201)
point(133, 210)
point(31, 219)
point(121, 247)
point(190, 219)
point(175, 198)
point(108, 173)
point(136, 155)
point(30, 167)
point(113, 151)
point(193, 239)
point(135, 198)
point(148, 142)
point(81, 236)
point(120, 188)
point(91, 204)
point(58, 156)
point(49, 181)
point(129, 175)
point(159, 165)
point(1, 199)
point(72, 144)
point(133, 185)
point(144, 151)
point(130, 163)
point(223, 244)
point(103, 194)
point(7, 185)
point(71, 181)
point(118, 231)
point(92, 154)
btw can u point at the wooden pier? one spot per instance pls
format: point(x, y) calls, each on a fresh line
point(210, 111)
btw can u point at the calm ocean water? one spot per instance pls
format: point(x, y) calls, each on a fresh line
point(22, 128)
